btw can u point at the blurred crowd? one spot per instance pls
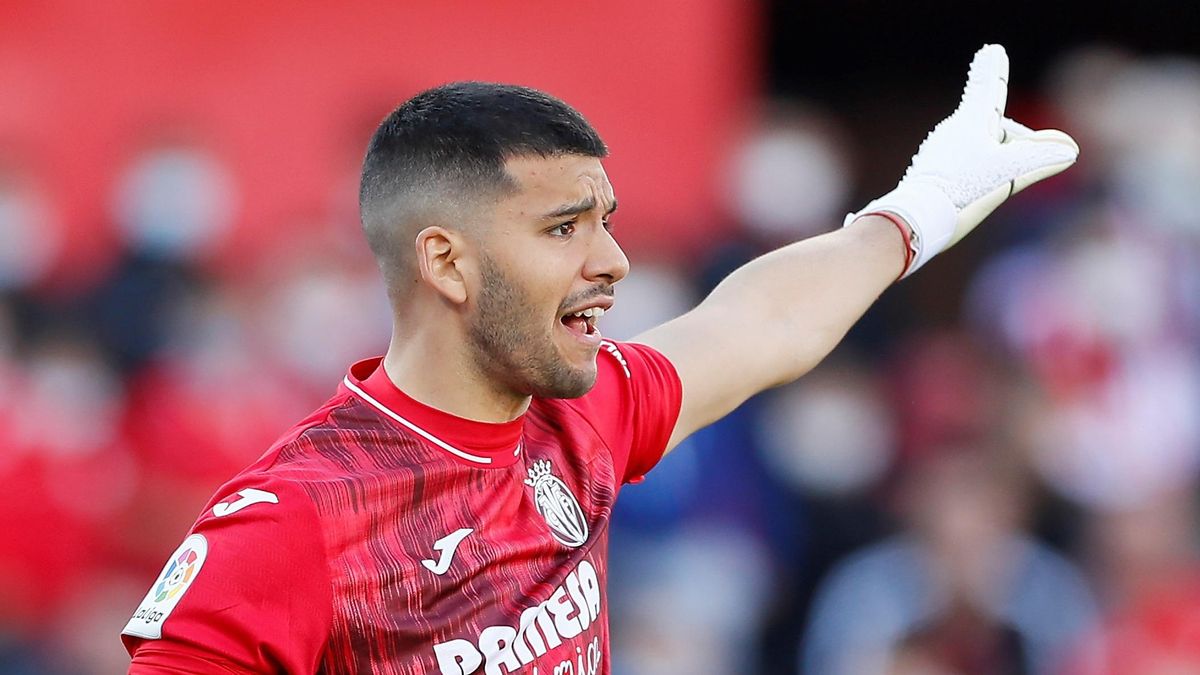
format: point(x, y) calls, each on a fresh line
point(995, 474)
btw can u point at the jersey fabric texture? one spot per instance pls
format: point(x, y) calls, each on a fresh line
point(383, 536)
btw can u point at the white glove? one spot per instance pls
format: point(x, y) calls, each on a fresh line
point(971, 162)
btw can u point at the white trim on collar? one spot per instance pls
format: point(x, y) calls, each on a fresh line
point(424, 434)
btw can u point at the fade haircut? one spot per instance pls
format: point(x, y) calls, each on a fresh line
point(439, 156)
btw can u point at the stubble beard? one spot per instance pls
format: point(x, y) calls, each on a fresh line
point(513, 349)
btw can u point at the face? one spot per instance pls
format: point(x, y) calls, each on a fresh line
point(547, 255)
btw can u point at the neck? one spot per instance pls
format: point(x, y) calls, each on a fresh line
point(437, 370)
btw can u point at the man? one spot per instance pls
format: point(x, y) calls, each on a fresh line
point(447, 510)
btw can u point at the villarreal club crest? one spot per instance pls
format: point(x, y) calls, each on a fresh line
point(557, 505)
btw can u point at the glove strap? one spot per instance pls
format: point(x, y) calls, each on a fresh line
point(926, 209)
point(911, 239)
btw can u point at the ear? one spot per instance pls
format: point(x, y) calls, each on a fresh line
point(440, 260)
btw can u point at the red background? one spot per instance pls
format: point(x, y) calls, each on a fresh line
point(287, 93)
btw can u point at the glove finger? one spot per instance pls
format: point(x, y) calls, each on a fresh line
point(1011, 129)
point(1055, 136)
point(1039, 155)
point(1014, 130)
point(986, 92)
point(1032, 177)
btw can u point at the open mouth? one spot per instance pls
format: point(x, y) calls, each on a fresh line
point(583, 322)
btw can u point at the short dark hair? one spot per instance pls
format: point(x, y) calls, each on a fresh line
point(445, 148)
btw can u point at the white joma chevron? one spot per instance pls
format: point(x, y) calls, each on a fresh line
point(447, 545)
point(248, 496)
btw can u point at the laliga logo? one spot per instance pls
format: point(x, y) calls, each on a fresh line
point(178, 575)
point(168, 589)
point(557, 505)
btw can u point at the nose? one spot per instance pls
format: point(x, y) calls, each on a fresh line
point(606, 261)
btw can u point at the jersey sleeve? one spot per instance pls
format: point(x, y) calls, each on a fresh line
point(634, 406)
point(248, 591)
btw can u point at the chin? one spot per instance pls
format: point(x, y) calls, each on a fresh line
point(570, 384)
point(585, 385)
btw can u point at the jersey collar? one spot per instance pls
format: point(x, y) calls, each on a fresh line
point(482, 444)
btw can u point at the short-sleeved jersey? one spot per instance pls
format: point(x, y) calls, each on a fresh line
point(384, 536)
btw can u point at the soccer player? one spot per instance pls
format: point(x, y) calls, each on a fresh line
point(447, 510)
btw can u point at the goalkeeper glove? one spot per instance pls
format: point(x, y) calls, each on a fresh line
point(971, 162)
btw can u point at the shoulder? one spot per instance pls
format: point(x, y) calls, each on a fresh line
point(626, 371)
point(260, 521)
point(266, 515)
point(633, 405)
point(257, 498)
point(256, 556)
point(633, 360)
point(611, 351)
point(332, 441)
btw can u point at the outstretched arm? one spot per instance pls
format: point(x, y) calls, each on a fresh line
point(777, 316)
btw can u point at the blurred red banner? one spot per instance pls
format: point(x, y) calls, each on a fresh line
point(287, 94)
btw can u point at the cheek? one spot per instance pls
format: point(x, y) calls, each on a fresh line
point(545, 285)
point(535, 284)
point(516, 306)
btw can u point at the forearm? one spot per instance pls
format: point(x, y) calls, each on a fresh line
point(791, 307)
point(776, 317)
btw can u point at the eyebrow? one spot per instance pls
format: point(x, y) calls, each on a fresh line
point(575, 208)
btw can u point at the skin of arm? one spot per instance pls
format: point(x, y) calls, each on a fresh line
point(775, 318)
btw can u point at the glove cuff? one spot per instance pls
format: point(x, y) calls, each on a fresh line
point(926, 209)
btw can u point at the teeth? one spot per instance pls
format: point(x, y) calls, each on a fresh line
point(590, 312)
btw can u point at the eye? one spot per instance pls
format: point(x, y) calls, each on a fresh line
point(563, 229)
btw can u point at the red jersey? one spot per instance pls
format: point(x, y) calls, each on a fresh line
point(383, 536)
